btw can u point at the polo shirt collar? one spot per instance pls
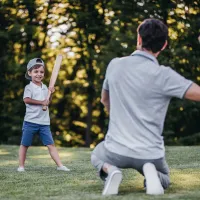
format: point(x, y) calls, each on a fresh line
point(145, 55)
point(36, 86)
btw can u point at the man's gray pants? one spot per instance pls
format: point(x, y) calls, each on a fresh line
point(101, 155)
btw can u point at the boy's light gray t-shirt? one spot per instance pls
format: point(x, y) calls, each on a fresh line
point(34, 113)
point(140, 91)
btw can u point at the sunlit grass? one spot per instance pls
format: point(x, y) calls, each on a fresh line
point(186, 178)
point(4, 153)
point(63, 155)
point(42, 181)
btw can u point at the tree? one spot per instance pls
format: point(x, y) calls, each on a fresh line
point(89, 34)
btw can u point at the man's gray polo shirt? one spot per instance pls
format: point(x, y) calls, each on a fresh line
point(140, 91)
point(34, 113)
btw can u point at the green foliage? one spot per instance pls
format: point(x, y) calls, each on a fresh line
point(89, 34)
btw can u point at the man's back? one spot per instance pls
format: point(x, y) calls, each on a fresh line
point(140, 91)
point(136, 93)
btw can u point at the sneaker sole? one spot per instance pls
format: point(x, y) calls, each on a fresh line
point(153, 185)
point(113, 184)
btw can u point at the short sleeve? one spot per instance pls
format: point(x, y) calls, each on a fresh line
point(106, 82)
point(173, 84)
point(27, 92)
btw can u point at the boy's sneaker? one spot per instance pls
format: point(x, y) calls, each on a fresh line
point(63, 168)
point(153, 185)
point(20, 169)
point(112, 181)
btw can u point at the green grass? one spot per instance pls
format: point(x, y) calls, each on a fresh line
point(42, 181)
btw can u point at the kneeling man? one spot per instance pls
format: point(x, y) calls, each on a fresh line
point(136, 92)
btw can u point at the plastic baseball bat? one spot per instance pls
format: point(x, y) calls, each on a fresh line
point(54, 76)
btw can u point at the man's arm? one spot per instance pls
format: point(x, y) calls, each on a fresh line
point(105, 99)
point(193, 93)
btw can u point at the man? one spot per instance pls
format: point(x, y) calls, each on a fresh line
point(136, 92)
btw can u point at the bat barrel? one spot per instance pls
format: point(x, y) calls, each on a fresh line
point(54, 76)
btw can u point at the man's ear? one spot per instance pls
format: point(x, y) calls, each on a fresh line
point(164, 46)
point(29, 73)
point(139, 40)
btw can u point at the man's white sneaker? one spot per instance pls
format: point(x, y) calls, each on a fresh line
point(63, 168)
point(153, 185)
point(112, 182)
point(20, 169)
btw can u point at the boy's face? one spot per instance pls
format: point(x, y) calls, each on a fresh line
point(37, 74)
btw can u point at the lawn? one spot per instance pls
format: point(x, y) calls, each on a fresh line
point(42, 181)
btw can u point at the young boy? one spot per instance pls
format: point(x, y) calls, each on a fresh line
point(36, 120)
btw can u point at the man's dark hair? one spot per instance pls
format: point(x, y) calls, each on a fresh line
point(154, 33)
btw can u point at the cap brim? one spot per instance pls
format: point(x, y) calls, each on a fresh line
point(28, 77)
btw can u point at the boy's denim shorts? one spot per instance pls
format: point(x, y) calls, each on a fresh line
point(30, 129)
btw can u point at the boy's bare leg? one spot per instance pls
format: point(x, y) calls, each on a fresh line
point(22, 155)
point(54, 155)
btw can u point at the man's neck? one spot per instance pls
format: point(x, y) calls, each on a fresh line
point(147, 51)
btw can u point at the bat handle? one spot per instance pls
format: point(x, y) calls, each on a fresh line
point(44, 108)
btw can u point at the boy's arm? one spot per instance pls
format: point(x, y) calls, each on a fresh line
point(105, 99)
point(28, 100)
point(193, 93)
